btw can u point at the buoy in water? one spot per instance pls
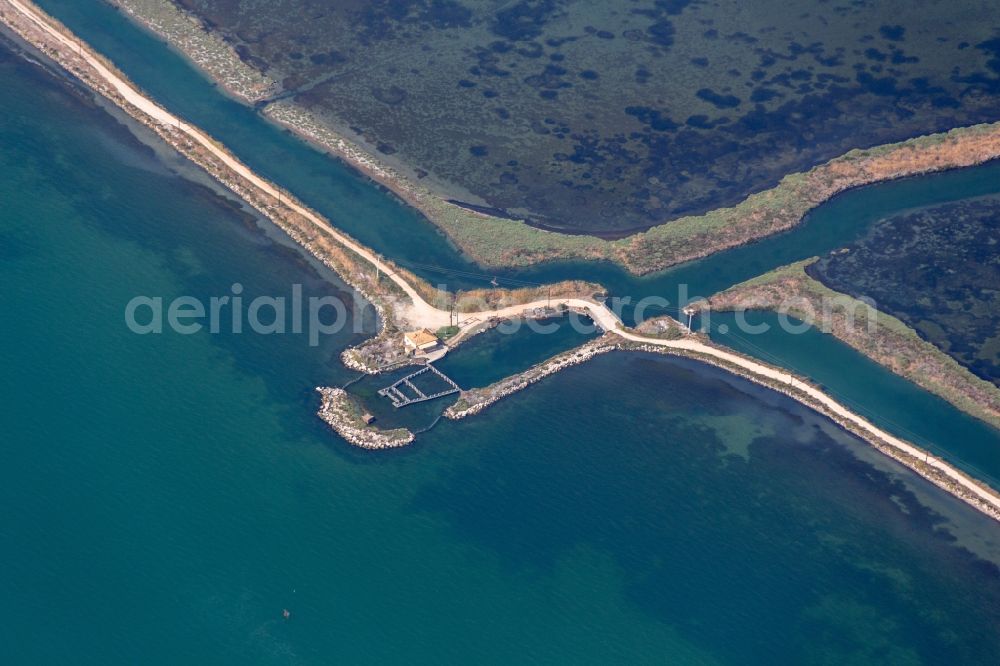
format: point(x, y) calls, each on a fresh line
point(286, 614)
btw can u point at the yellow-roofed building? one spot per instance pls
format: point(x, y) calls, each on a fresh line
point(419, 341)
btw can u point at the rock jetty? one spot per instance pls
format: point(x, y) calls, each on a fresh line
point(474, 401)
point(345, 416)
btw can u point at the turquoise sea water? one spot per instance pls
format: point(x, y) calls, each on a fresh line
point(383, 223)
point(165, 497)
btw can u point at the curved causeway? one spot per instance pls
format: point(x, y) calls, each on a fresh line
point(45, 34)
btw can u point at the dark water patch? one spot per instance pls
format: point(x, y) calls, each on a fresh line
point(524, 20)
point(652, 497)
point(654, 118)
point(390, 19)
point(825, 81)
point(662, 33)
point(717, 100)
point(992, 47)
point(937, 269)
point(764, 94)
point(892, 32)
point(884, 398)
point(875, 54)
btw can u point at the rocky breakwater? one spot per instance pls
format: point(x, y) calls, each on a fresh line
point(378, 354)
point(476, 400)
point(345, 416)
point(934, 469)
point(662, 328)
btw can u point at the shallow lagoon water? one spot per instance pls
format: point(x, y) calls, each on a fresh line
point(398, 232)
point(938, 270)
point(167, 496)
point(602, 116)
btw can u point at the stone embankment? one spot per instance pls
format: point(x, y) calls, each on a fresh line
point(378, 354)
point(663, 327)
point(345, 416)
point(386, 352)
point(936, 470)
point(474, 401)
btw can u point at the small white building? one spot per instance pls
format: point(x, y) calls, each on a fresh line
point(419, 341)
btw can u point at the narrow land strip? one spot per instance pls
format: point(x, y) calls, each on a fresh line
point(357, 263)
point(879, 336)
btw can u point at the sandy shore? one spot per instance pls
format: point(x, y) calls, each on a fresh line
point(360, 262)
